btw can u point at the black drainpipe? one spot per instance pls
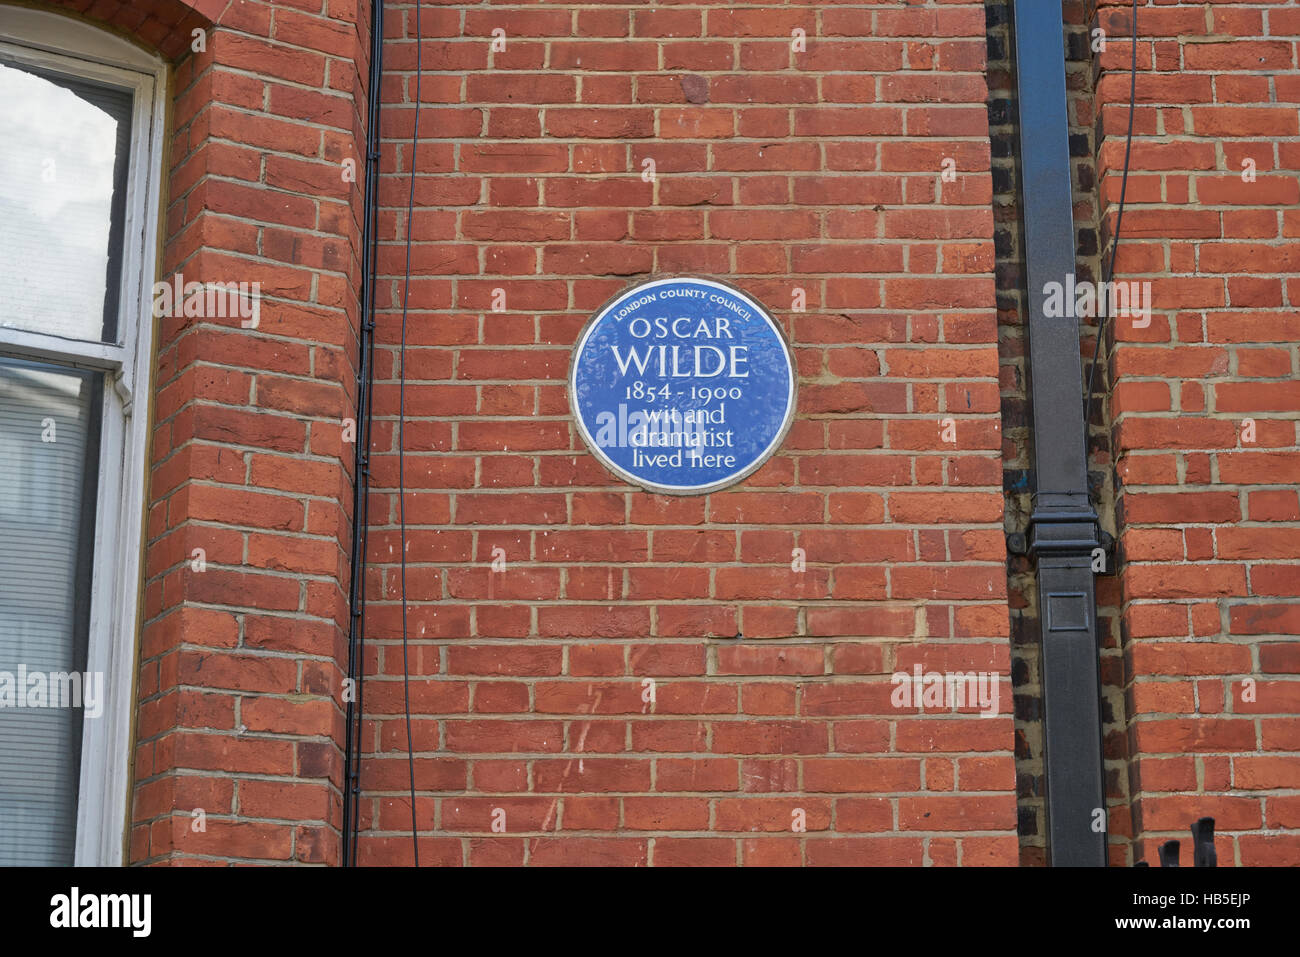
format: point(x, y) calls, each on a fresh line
point(361, 462)
point(1062, 524)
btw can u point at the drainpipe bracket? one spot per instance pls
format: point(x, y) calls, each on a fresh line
point(1062, 523)
point(1069, 538)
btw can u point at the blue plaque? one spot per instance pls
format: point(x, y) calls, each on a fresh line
point(682, 385)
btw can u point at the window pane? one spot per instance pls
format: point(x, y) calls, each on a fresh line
point(63, 158)
point(49, 439)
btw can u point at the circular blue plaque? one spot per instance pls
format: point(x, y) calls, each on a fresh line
point(682, 385)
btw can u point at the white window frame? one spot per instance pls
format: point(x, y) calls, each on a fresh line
point(70, 46)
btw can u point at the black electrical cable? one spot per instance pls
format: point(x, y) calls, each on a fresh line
point(401, 418)
point(361, 464)
point(1109, 272)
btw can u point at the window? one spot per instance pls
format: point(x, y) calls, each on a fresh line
point(81, 124)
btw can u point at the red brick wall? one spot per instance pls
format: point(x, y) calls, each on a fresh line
point(241, 652)
point(776, 170)
point(1209, 519)
point(164, 26)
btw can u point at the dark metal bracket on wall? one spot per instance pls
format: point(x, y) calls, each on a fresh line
point(1062, 525)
